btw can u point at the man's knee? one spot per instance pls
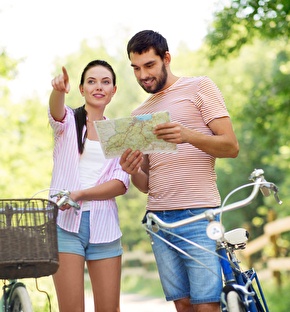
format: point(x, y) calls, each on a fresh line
point(183, 305)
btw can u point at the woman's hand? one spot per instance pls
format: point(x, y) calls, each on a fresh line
point(61, 82)
point(131, 161)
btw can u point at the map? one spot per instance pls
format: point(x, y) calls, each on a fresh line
point(136, 132)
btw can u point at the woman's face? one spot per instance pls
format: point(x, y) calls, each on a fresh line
point(98, 88)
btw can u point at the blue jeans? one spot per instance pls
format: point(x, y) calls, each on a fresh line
point(182, 277)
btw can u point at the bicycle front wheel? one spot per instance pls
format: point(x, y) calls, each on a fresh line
point(20, 300)
point(234, 303)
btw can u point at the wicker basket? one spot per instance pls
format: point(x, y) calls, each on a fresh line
point(28, 239)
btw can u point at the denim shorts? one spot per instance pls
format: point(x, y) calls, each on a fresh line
point(78, 243)
point(181, 276)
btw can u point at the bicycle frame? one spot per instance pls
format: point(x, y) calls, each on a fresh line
point(234, 278)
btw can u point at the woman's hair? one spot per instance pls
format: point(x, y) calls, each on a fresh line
point(145, 40)
point(80, 112)
point(98, 63)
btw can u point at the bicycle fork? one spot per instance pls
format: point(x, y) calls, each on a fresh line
point(233, 277)
point(7, 292)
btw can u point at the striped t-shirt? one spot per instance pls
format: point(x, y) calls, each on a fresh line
point(185, 179)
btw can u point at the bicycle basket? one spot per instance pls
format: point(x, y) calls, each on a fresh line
point(28, 239)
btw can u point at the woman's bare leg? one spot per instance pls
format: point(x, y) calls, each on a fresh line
point(69, 283)
point(105, 277)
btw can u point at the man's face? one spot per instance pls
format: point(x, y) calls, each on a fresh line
point(149, 70)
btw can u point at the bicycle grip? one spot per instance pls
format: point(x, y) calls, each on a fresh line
point(62, 201)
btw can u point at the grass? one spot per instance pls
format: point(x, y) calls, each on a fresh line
point(278, 298)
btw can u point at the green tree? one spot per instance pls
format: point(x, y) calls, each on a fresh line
point(26, 148)
point(243, 80)
point(8, 66)
point(239, 22)
point(23, 143)
point(252, 36)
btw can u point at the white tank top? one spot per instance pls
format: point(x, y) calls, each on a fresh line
point(90, 166)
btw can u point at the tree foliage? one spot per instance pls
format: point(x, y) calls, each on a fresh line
point(250, 39)
point(8, 70)
point(246, 84)
point(8, 66)
point(26, 148)
point(240, 21)
point(25, 145)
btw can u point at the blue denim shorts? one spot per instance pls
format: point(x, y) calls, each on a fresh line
point(78, 243)
point(181, 276)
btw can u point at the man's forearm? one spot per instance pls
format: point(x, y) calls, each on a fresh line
point(140, 181)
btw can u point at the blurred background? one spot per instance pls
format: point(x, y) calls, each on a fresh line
point(242, 45)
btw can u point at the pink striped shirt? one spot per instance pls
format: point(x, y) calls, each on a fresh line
point(104, 220)
point(186, 179)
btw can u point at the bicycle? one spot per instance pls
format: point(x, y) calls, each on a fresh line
point(242, 291)
point(28, 245)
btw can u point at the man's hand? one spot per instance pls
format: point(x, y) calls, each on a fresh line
point(171, 132)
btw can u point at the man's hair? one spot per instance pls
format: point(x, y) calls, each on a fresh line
point(145, 40)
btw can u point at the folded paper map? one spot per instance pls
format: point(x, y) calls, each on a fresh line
point(136, 132)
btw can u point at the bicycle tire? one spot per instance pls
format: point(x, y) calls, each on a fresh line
point(20, 300)
point(234, 303)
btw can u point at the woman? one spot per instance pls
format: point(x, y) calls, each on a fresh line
point(91, 235)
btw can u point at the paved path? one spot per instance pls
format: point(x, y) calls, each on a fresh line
point(138, 303)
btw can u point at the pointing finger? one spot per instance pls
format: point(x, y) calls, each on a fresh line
point(66, 79)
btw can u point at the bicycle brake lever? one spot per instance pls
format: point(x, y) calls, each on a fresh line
point(73, 204)
point(278, 200)
point(275, 190)
point(65, 199)
point(61, 193)
point(265, 188)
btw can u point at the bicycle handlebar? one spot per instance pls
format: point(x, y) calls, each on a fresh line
point(259, 183)
point(63, 197)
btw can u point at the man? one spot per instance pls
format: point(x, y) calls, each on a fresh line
point(181, 184)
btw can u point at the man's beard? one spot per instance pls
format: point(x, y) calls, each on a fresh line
point(160, 82)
